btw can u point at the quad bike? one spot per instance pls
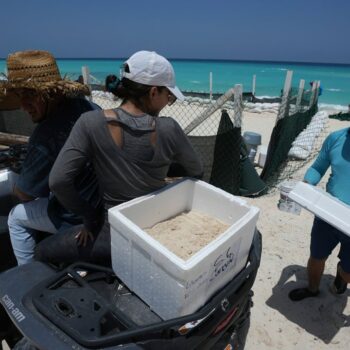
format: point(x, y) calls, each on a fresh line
point(86, 306)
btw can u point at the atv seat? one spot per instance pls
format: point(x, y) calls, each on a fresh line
point(7, 258)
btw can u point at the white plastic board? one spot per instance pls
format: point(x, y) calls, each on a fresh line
point(323, 205)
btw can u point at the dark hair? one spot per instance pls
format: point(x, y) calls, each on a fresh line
point(80, 79)
point(137, 93)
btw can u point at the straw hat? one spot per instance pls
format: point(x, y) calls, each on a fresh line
point(38, 70)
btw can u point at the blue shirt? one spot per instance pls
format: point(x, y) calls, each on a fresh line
point(44, 145)
point(335, 152)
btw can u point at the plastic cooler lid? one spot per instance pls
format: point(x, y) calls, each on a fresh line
point(323, 205)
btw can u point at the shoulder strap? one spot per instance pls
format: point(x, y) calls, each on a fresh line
point(110, 114)
point(116, 133)
point(153, 137)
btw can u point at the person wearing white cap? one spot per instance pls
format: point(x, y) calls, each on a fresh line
point(131, 150)
point(149, 68)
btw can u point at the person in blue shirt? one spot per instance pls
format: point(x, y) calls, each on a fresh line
point(54, 104)
point(335, 153)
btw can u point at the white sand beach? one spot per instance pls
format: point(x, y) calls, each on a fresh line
point(277, 322)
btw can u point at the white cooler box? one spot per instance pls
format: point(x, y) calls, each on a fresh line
point(171, 286)
point(323, 205)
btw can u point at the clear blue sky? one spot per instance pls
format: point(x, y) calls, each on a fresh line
point(281, 30)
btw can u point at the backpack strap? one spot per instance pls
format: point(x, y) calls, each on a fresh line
point(110, 115)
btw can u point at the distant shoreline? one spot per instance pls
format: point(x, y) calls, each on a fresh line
point(194, 75)
point(222, 60)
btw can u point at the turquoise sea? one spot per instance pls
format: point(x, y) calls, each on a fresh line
point(193, 75)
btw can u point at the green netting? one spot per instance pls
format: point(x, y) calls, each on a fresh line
point(226, 163)
point(306, 96)
point(341, 116)
point(283, 134)
point(204, 146)
point(232, 170)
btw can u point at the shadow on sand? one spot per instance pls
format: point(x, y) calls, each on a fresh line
point(322, 316)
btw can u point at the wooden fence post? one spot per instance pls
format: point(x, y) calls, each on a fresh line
point(313, 94)
point(317, 89)
point(211, 85)
point(237, 105)
point(300, 95)
point(253, 84)
point(213, 107)
point(85, 71)
point(286, 90)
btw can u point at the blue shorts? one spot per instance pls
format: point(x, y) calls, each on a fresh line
point(324, 238)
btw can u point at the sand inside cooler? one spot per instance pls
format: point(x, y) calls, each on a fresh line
point(187, 233)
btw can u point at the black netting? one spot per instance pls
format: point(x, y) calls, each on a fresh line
point(204, 146)
point(305, 99)
point(341, 116)
point(226, 163)
point(283, 134)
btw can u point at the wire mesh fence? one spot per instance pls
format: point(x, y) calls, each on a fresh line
point(214, 129)
point(296, 137)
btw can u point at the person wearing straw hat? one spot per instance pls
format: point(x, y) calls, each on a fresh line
point(131, 149)
point(54, 104)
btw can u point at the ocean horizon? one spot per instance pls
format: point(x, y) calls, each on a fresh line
point(193, 75)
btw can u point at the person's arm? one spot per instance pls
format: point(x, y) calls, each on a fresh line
point(315, 173)
point(186, 157)
point(69, 163)
point(33, 182)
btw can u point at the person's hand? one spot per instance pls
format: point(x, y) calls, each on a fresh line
point(83, 237)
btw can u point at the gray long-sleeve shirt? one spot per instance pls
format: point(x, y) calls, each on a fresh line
point(126, 172)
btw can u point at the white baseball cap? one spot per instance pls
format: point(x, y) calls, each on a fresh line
point(149, 68)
